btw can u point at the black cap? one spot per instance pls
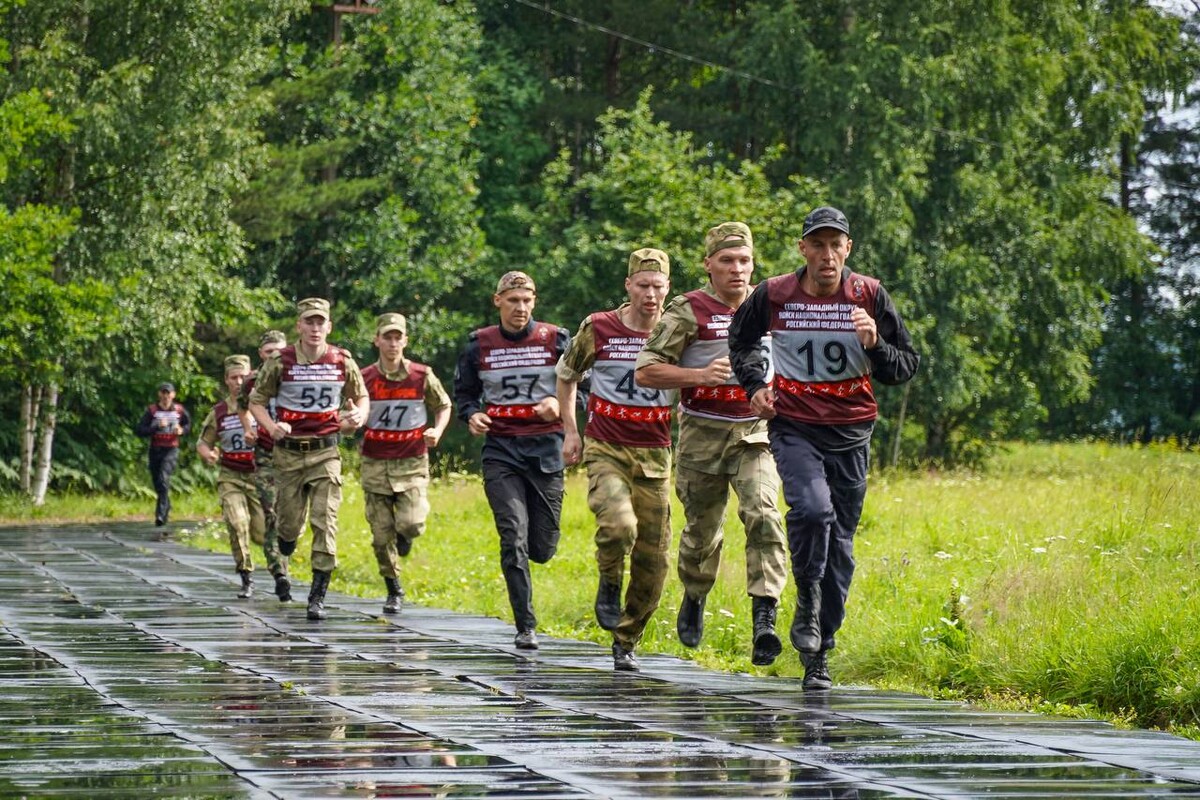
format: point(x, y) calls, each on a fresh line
point(166, 386)
point(825, 217)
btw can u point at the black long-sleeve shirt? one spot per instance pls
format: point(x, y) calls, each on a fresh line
point(893, 361)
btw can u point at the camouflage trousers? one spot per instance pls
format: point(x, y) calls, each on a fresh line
point(243, 515)
point(400, 515)
point(704, 497)
point(629, 493)
point(310, 484)
point(264, 481)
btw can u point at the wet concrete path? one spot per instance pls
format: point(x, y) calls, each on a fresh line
point(128, 668)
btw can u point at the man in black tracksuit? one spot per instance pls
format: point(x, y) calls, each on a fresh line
point(164, 424)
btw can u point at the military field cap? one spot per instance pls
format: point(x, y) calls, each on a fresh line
point(390, 322)
point(272, 337)
point(727, 234)
point(825, 217)
point(648, 259)
point(515, 280)
point(166, 386)
point(236, 362)
point(313, 306)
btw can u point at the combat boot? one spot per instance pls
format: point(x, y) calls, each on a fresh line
point(816, 672)
point(690, 622)
point(316, 595)
point(608, 603)
point(283, 588)
point(395, 596)
point(287, 547)
point(247, 584)
point(403, 546)
point(624, 660)
point(806, 625)
point(766, 642)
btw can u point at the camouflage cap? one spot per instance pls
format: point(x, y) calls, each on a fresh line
point(727, 234)
point(166, 386)
point(272, 337)
point(312, 307)
point(515, 280)
point(648, 259)
point(390, 322)
point(236, 362)
point(825, 217)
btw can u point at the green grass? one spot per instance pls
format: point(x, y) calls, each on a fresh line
point(16, 508)
point(1062, 579)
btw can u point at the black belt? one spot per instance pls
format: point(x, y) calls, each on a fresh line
point(308, 443)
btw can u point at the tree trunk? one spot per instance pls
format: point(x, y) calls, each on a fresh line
point(46, 446)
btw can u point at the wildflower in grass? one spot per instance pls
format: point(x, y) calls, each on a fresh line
point(942, 555)
point(1038, 549)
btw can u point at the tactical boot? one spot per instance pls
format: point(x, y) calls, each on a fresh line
point(316, 595)
point(247, 584)
point(608, 603)
point(624, 660)
point(690, 623)
point(395, 597)
point(403, 546)
point(283, 588)
point(806, 625)
point(286, 547)
point(526, 640)
point(816, 672)
point(766, 643)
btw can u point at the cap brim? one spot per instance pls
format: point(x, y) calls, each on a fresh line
point(308, 314)
point(834, 225)
point(389, 329)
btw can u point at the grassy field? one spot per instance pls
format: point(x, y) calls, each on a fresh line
point(1063, 579)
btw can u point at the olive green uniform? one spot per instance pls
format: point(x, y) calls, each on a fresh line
point(712, 456)
point(240, 505)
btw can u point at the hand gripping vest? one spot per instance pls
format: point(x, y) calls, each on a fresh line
point(396, 425)
point(620, 411)
point(727, 402)
point(236, 453)
point(311, 394)
point(165, 421)
point(822, 372)
point(516, 376)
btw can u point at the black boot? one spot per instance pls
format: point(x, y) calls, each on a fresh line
point(316, 595)
point(608, 603)
point(806, 625)
point(690, 622)
point(247, 584)
point(624, 660)
point(283, 588)
point(286, 547)
point(766, 642)
point(816, 672)
point(395, 597)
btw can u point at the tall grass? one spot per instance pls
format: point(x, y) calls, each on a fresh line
point(1063, 577)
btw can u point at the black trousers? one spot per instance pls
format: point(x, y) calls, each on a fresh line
point(162, 465)
point(526, 505)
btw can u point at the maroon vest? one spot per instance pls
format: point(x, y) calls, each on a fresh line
point(310, 395)
point(396, 425)
point(620, 411)
point(516, 375)
point(728, 401)
point(822, 372)
point(236, 453)
point(165, 421)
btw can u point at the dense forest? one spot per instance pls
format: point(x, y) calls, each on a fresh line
point(1023, 176)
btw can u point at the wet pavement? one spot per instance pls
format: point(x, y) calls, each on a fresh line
point(128, 668)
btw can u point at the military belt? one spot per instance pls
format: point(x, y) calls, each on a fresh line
point(307, 444)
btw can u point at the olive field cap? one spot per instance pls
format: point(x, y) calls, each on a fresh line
point(313, 307)
point(725, 235)
point(272, 337)
point(390, 322)
point(236, 362)
point(166, 386)
point(825, 217)
point(648, 259)
point(515, 280)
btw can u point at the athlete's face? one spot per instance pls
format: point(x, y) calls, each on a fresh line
point(313, 329)
point(516, 308)
point(234, 379)
point(730, 269)
point(647, 291)
point(391, 345)
point(269, 350)
point(825, 251)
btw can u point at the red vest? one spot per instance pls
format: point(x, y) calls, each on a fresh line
point(396, 425)
point(727, 402)
point(236, 453)
point(620, 411)
point(516, 376)
point(265, 442)
point(165, 421)
point(822, 372)
point(310, 395)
